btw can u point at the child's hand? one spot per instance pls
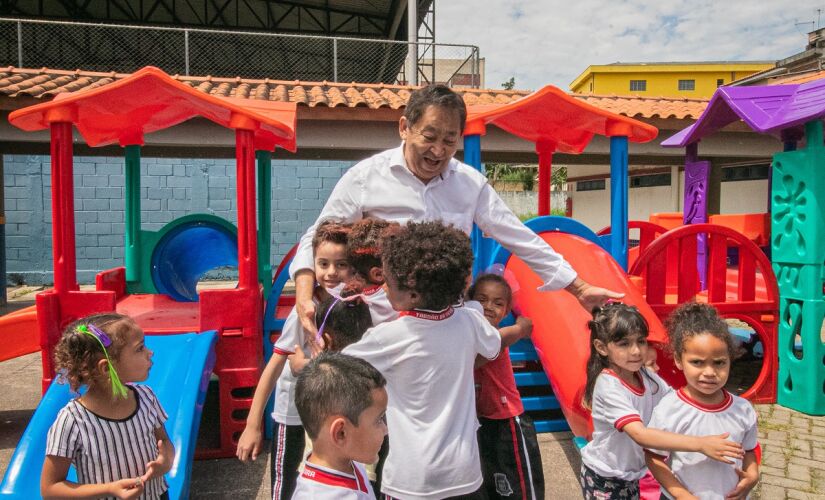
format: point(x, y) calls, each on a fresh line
point(298, 360)
point(249, 444)
point(158, 466)
point(126, 489)
point(316, 346)
point(719, 448)
point(525, 324)
point(743, 487)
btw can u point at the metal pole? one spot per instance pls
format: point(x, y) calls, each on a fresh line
point(19, 44)
point(186, 50)
point(412, 45)
point(335, 59)
point(618, 199)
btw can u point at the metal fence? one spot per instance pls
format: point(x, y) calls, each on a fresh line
point(126, 48)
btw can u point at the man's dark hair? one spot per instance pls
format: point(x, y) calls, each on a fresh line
point(430, 259)
point(435, 95)
point(334, 384)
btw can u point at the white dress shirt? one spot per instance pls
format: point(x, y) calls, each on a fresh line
point(382, 186)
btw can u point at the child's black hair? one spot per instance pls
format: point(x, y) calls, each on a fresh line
point(349, 318)
point(76, 354)
point(364, 245)
point(334, 384)
point(491, 278)
point(691, 319)
point(611, 323)
point(430, 259)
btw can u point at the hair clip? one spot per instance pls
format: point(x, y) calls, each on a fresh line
point(118, 389)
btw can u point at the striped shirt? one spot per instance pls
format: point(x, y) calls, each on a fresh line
point(105, 450)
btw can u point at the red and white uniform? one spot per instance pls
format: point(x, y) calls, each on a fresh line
point(322, 483)
point(427, 358)
point(704, 477)
point(612, 453)
point(381, 310)
point(498, 396)
point(292, 334)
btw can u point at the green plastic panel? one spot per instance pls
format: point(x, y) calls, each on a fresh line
point(802, 356)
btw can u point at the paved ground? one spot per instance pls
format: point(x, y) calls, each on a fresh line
point(793, 445)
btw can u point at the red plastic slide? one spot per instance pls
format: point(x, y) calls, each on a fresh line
point(560, 331)
point(18, 333)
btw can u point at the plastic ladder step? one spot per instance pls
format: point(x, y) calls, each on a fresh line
point(551, 425)
point(523, 351)
point(533, 403)
point(528, 379)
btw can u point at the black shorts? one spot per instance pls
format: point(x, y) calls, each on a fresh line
point(288, 444)
point(510, 458)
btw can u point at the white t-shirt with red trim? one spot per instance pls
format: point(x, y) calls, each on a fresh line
point(322, 483)
point(381, 310)
point(285, 411)
point(612, 453)
point(706, 478)
point(427, 358)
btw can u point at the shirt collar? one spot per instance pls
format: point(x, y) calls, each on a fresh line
point(398, 161)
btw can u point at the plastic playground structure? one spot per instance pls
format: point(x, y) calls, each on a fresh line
point(227, 332)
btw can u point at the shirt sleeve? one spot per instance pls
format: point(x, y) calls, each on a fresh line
point(498, 221)
point(291, 335)
point(63, 437)
point(750, 441)
point(371, 350)
point(488, 338)
point(613, 404)
point(344, 205)
point(663, 390)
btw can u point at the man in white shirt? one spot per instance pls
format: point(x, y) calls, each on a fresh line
point(421, 181)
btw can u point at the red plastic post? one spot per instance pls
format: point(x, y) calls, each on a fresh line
point(247, 237)
point(545, 151)
point(63, 241)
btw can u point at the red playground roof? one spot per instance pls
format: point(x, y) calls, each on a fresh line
point(553, 118)
point(150, 100)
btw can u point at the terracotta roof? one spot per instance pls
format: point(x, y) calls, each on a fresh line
point(807, 76)
point(46, 83)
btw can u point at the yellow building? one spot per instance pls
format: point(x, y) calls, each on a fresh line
point(668, 79)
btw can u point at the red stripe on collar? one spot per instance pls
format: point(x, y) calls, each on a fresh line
point(371, 290)
point(430, 315)
point(332, 478)
point(724, 405)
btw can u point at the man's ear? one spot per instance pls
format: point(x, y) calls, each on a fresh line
point(376, 275)
point(403, 128)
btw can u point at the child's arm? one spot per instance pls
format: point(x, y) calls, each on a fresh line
point(522, 329)
point(53, 483)
point(166, 456)
point(748, 477)
point(249, 443)
point(666, 478)
point(715, 447)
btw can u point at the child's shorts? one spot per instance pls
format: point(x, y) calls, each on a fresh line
point(596, 487)
point(510, 458)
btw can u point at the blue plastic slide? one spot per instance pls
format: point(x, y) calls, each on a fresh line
point(179, 377)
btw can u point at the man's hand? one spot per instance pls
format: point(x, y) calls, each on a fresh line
point(304, 283)
point(743, 487)
point(590, 296)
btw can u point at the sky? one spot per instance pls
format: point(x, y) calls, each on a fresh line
point(553, 41)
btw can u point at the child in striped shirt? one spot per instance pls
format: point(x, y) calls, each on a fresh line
point(113, 434)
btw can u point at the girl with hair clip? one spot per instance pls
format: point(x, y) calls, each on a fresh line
point(113, 433)
point(621, 394)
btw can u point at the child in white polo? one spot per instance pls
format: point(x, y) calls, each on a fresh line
point(427, 356)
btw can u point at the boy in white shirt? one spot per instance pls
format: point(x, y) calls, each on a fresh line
point(427, 356)
point(342, 403)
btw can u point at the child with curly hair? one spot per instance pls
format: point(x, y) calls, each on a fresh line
point(364, 254)
point(331, 271)
point(113, 433)
point(703, 348)
point(427, 356)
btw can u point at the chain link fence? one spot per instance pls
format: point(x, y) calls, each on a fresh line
point(121, 48)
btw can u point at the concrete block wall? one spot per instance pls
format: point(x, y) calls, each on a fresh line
point(170, 188)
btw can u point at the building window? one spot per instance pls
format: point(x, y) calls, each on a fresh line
point(640, 181)
point(720, 82)
point(687, 84)
point(595, 185)
point(745, 173)
point(638, 85)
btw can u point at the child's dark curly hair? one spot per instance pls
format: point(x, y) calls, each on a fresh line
point(364, 245)
point(332, 232)
point(430, 259)
point(77, 354)
point(491, 278)
point(691, 319)
point(349, 318)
